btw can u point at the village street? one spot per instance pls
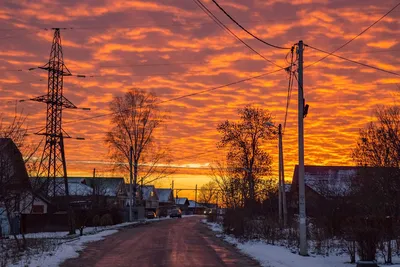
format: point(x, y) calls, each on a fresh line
point(177, 242)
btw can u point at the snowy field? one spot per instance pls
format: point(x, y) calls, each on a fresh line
point(58, 246)
point(280, 256)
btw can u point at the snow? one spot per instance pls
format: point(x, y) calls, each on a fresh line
point(279, 256)
point(64, 251)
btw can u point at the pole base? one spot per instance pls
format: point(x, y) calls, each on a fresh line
point(367, 264)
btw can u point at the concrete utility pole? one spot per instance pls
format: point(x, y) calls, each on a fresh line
point(280, 175)
point(195, 200)
point(131, 198)
point(302, 197)
point(282, 193)
point(283, 179)
point(172, 187)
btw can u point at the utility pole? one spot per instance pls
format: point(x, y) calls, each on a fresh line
point(131, 198)
point(302, 197)
point(94, 172)
point(141, 191)
point(172, 187)
point(283, 188)
point(195, 200)
point(217, 204)
point(280, 189)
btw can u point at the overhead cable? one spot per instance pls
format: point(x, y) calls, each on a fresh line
point(355, 37)
point(248, 32)
point(225, 28)
point(353, 61)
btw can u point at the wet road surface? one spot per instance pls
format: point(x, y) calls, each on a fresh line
point(171, 243)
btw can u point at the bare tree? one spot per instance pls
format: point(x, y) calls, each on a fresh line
point(229, 185)
point(379, 143)
point(208, 193)
point(246, 158)
point(14, 193)
point(136, 117)
point(377, 187)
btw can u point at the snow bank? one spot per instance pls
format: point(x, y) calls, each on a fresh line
point(279, 256)
point(67, 250)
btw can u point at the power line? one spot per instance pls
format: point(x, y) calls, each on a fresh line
point(289, 94)
point(353, 61)
point(224, 27)
point(244, 29)
point(176, 98)
point(355, 37)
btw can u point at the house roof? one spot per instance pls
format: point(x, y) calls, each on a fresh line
point(192, 204)
point(327, 180)
point(11, 156)
point(182, 201)
point(75, 189)
point(105, 186)
point(147, 190)
point(164, 194)
point(82, 186)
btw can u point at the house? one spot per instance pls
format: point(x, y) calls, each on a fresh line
point(14, 186)
point(196, 207)
point(166, 200)
point(183, 204)
point(34, 203)
point(107, 191)
point(328, 192)
point(150, 198)
point(321, 183)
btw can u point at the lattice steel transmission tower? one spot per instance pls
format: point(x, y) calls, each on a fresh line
point(52, 163)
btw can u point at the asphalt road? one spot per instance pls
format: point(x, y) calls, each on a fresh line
point(171, 243)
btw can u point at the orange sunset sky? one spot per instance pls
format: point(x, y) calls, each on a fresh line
point(172, 48)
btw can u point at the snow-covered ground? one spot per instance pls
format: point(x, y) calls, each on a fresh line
point(62, 252)
point(66, 247)
point(280, 256)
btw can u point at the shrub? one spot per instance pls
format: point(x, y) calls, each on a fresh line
point(106, 219)
point(96, 220)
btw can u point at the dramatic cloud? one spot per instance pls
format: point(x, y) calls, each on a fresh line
point(172, 48)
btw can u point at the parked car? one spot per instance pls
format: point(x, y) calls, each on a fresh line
point(151, 215)
point(176, 213)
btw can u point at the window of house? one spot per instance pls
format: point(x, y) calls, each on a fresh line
point(37, 209)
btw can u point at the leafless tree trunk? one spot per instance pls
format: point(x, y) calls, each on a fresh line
point(378, 149)
point(208, 193)
point(136, 116)
point(13, 129)
point(244, 139)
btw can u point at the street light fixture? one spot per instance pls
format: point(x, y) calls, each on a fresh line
point(281, 182)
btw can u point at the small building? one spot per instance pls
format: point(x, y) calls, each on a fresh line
point(150, 198)
point(183, 204)
point(196, 208)
point(107, 191)
point(166, 201)
point(14, 186)
point(35, 204)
